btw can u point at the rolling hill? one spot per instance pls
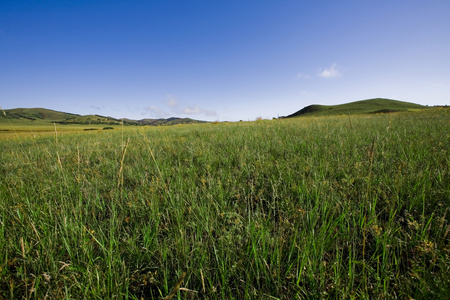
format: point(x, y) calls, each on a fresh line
point(51, 116)
point(370, 106)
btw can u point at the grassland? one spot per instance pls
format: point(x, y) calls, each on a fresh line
point(369, 106)
point(308, 208)
point(33, 117)
point(14, 128)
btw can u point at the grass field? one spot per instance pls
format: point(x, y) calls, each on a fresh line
point(369, 106)
point(305, 208)
point(11, 128)
point(38, 118)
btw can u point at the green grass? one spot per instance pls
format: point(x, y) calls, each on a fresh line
point(309, 208)
point(25, 126)
point(370, 106)
point(38, 114)
point(33, 117)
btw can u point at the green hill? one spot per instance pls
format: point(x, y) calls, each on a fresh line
point(42, 115)
point(377, 105)
point(34, 114)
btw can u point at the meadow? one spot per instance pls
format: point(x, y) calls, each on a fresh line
point(336, 207)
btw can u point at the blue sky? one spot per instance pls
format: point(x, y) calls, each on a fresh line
point(220, 60)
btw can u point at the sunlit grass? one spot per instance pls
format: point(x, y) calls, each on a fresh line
point(336, 207)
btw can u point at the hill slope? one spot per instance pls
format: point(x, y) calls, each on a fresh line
point(377, 105)
point(52, 116)
point(34, 114)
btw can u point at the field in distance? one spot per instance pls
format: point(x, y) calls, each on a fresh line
point(333, 207)
point(42, 119)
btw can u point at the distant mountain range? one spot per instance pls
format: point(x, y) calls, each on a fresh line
point(52, 116)
point(370, 106)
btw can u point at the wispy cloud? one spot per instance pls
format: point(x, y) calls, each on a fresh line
point(95, 107)
point(174, 106)
point(171, 102)
point(302, 76)
point(331, 72)
point(198, 111)
point(174, 109)
point(154, 112)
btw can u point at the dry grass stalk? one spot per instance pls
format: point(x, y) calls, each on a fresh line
point(120, 175)
point(56, 134)
point(22, 246)
point(188, 290)
point(35, 231)
point(59, 161)
point(78, 156)
point(203, 281)
point(176, 287)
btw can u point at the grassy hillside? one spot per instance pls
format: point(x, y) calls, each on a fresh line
point(377, 105)
point(306, 208)
point(32, 116)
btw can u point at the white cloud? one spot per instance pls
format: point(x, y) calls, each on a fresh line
point(301, 76)
point(187, 110)
point(154, 112)
point(331, 72)
point(198, 111)
point(171, 102)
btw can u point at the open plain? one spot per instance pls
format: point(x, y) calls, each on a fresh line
point(313, 207)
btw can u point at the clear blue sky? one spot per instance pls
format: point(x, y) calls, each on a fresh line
point(220, 60)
